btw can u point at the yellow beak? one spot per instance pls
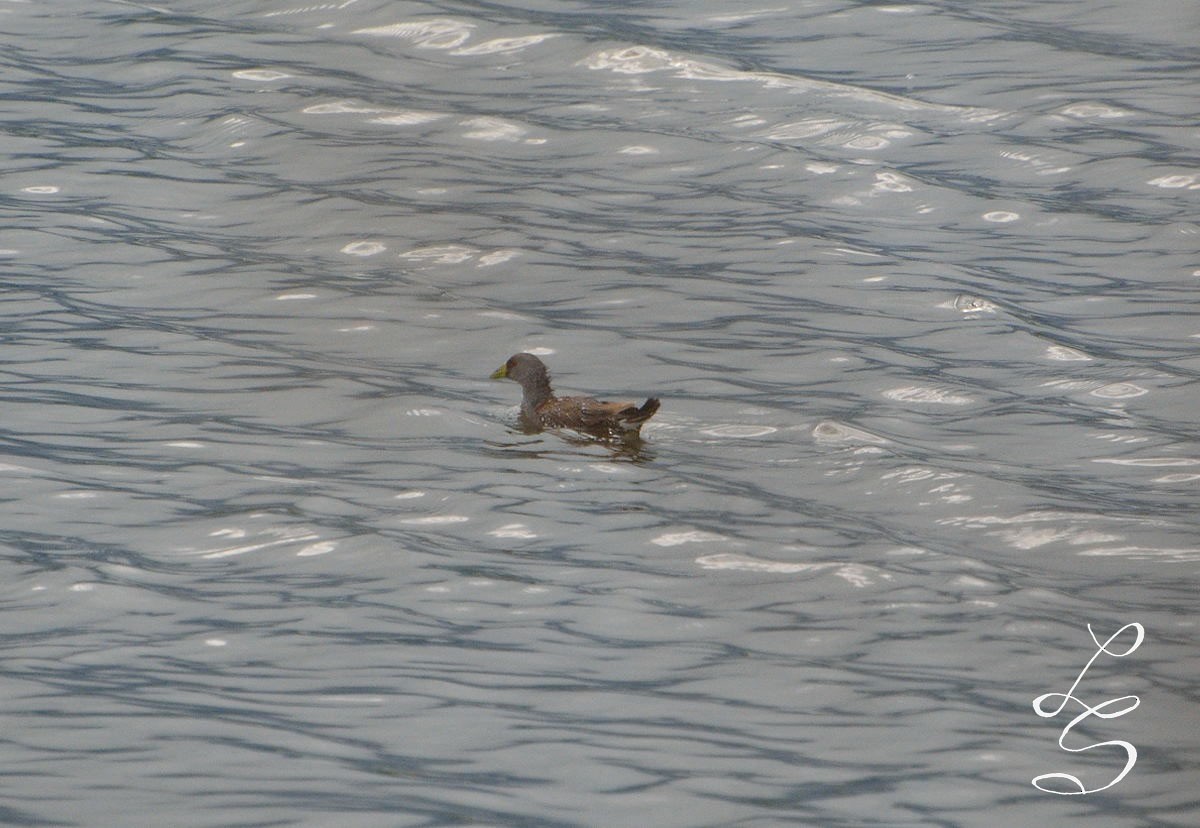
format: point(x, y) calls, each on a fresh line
point(501, 372)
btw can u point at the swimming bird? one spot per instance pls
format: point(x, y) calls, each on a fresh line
point(541, 409)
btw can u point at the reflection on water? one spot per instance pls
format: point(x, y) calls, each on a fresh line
point(619, 449)
point(910, 295)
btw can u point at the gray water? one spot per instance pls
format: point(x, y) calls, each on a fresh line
point(915, 283)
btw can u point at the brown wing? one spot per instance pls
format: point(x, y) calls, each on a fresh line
point(591, 414)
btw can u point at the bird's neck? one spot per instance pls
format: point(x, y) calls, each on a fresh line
point(536, 392)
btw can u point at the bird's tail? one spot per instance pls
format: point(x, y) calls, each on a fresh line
point(633, 417)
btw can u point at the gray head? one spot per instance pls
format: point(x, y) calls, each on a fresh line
point(525, 369)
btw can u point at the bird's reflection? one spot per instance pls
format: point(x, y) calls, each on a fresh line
point(626, 448)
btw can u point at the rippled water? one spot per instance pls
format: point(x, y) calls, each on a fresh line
point(916, 284)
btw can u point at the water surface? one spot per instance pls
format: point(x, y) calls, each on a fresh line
point(914, 282)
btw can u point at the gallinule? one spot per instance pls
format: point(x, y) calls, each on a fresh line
point(541, 409)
